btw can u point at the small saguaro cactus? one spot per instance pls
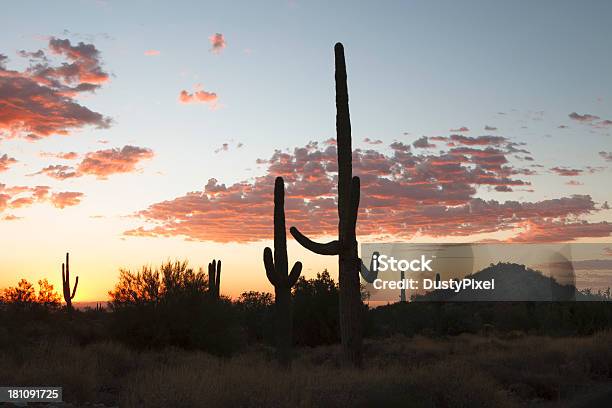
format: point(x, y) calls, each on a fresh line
point(214, 278)
point(437, 280)
point(403, 289)
point(345, 247)
point(66, 283)
point(277, 270)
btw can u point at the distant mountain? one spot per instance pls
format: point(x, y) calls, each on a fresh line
point(513, 282)
point(84, 305)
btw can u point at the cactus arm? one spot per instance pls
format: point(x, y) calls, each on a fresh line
point(76, 283)
point(295, 273)
point(218, 280)
point(329, 248)
point(269, 264)
point(367, 274)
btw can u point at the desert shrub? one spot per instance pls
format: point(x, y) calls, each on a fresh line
point(170, 306)
point(256, 313)
point(315, 311)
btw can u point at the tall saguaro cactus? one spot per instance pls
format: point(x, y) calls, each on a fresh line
point(66, 283)
point(346, 245)
point(214, 278)
point(277, 270)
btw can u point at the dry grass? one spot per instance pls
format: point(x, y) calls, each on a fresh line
point(463, 371)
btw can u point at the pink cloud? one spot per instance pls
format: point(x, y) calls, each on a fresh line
point(66, 199)
point(198, 96)
point(40, 100)
point(6, 162)
point(23, 196)
point(152, 53)
point(101, 163)
point(402, 194)
point(217, 42)
point(566, 172)
point(61, 155)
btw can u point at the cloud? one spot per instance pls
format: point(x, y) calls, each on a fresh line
point(6, 162)
point(40, 100)
point(607, 156)
point(152, 53)
point(403, 195)
point(58, 172)
point(423, 143)
point(478, 141)
point(461, 129)
point(61, 155)
point(17, 197)
point(217, 43)
point(198, 96)
point(583, 118)
point(574, 183)
point(372, 141)
point(566, 172)
point(224, 147)
point(101, 163)
point(547, 231)
point(66, 199)
point(490, 128)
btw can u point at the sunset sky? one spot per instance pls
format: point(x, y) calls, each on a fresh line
point(132, 133)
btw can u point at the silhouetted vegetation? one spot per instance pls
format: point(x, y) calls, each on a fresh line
point(172, 306)
point(277, 271)
point(161, 324)
point(68, 296)
point(345, 247)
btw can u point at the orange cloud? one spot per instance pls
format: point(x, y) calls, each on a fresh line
point(6, 162)
point(101, 163)
point(402, 194)
point(61, 155)
point(24, 196)
point(40, 101)
point(66, 199)
point(198, 96)
point(217, 42)
point(152, 53)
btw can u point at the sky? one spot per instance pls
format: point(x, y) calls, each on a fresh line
point(133, 133)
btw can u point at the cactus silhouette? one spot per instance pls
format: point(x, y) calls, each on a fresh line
point(349, 265)
point(214, 278)
point(66, 283)
point(437, 280)
point(403, 289)
point(370, 275)
point(277, 270)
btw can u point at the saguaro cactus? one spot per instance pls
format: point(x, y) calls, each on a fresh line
point(351, 307)
point(214, 278)
point(277, 270)
point(66, 283)
point(403, 289)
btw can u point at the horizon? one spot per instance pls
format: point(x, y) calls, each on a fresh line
point(156, 141)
